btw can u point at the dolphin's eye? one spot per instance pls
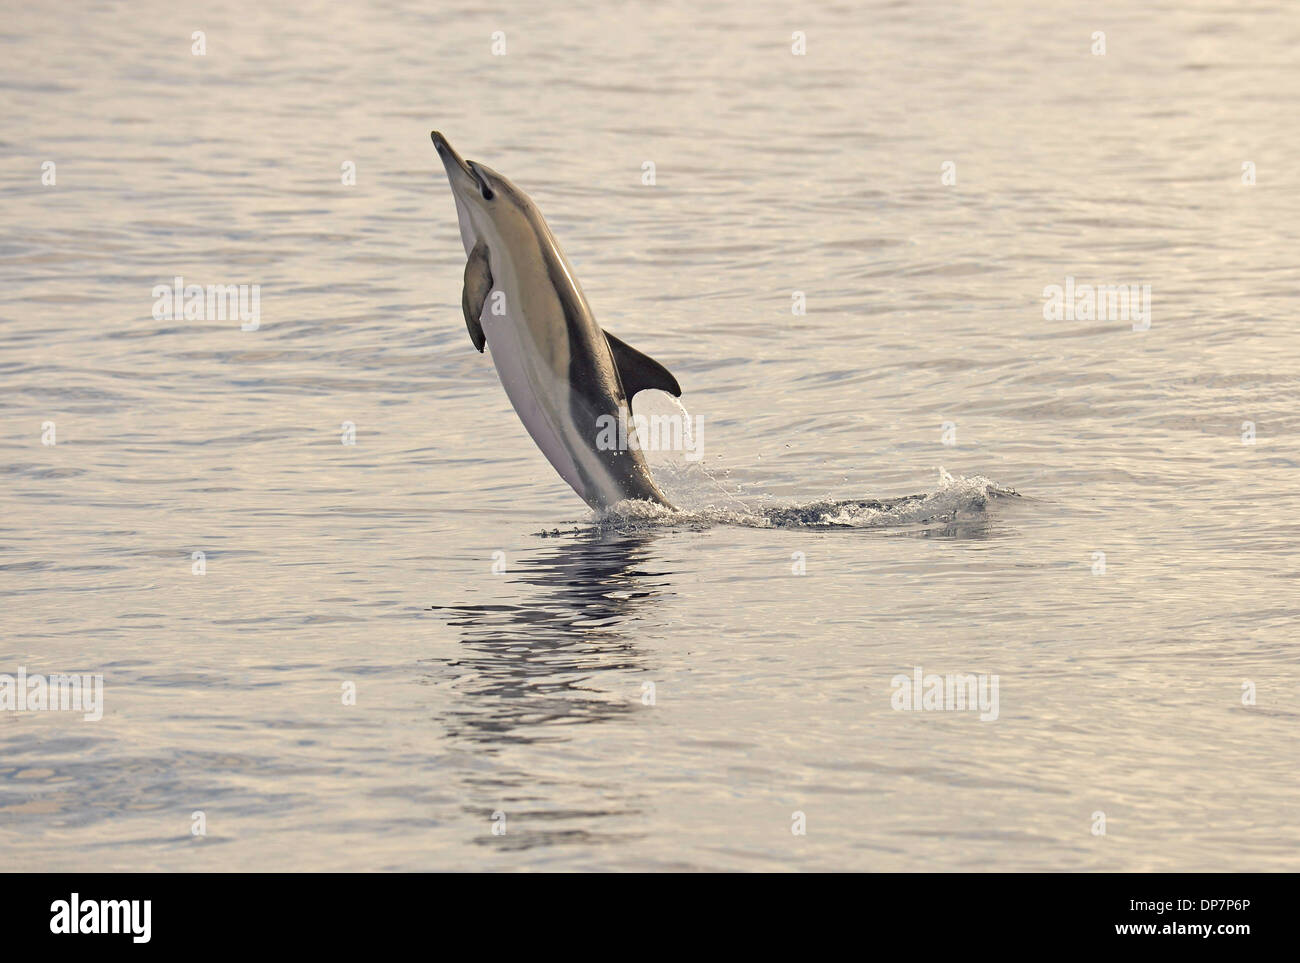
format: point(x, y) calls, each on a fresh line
point(479, 179)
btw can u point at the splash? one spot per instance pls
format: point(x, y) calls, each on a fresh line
point(708, 499)
point(956, 500)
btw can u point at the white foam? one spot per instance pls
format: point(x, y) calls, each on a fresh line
point(955, 497)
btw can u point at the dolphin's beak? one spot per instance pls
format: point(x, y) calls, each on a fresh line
point(460, 172)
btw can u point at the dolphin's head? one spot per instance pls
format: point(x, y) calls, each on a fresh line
point(487, 204)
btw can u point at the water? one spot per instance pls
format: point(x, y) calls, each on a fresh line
point(523, 693)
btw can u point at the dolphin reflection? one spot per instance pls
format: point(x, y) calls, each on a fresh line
point(557, 656)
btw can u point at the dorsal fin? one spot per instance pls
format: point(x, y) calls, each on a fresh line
point(638, 371)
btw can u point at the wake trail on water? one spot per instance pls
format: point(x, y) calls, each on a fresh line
point(956, 499)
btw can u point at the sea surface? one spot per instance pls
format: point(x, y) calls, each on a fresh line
point(421, 651)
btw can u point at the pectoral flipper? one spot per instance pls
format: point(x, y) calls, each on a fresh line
point(478, 284)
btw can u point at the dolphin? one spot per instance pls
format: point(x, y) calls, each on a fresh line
point(567, 379)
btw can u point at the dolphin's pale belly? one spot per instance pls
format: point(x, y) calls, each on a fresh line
point(534, 395)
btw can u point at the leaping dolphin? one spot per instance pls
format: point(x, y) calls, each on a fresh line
point(560, 370)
